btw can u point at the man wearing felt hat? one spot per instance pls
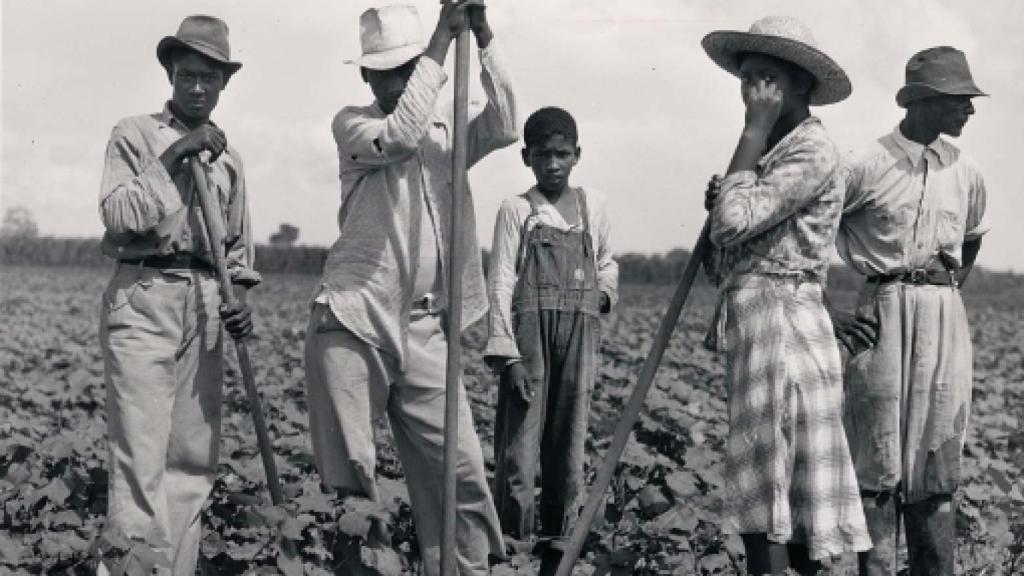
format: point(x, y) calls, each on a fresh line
point(912, 224)
point(162, 313)
point(791, 491)
point(377, 338)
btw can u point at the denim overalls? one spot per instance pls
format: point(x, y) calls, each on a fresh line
point(555, 317)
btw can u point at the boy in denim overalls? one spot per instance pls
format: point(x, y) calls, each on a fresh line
point(551, 275)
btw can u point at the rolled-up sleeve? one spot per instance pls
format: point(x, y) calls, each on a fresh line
point(501, 282)
point(367, 141)
point(977, 224)
point(136, 193)
point(497, 125)
point(241, 252)
point(749, 205)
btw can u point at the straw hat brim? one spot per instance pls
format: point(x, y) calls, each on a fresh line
point(169, 43)
point(832, 84)
point(388, 59)
point(920, 90)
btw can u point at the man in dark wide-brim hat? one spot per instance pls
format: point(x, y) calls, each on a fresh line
point(162, 313)
point(912, 225)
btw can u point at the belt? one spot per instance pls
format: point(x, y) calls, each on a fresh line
point(179, 261)
point(919, 277)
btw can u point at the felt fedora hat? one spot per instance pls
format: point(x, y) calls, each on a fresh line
point(389, 37)
point(203, 34)
point(785, 38)
point(935, 71)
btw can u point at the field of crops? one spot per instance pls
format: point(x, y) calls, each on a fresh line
point(661, 514)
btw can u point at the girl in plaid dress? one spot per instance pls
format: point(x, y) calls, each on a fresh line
point(791, 488)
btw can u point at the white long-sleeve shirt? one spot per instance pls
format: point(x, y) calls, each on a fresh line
point(395, 172)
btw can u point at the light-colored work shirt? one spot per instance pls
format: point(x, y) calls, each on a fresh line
point(508, 234)
point(148, 212)
point(906, 203)
point(395, 171)
point(781, 218)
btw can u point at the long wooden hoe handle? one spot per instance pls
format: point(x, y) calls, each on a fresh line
point(453, 370)
point(215, 237)
point(633, 407)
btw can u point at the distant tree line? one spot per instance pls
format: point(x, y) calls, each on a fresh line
point(286, 257)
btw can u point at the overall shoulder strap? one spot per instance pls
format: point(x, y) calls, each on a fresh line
point(524, 232)
point(583, 209)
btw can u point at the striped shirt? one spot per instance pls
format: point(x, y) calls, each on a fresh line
point(395, 172)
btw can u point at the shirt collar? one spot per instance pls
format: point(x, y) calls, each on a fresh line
point(915, 151)
point(167, 117)
point(783, 144)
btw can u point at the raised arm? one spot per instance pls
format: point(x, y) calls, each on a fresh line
point(497, 125)
point(370, 141)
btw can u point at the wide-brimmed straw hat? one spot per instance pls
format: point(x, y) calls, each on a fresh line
point(935, 71)
point(785, 38)
point(389, 36)
point(203, 34)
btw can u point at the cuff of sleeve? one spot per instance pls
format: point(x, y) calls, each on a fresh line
point(490, 53)
point(976, 232)
point(741, 178)
point(503, 346)
point(246, 277)
point(158, 182)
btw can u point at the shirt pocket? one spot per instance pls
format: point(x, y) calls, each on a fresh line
point(950, 229)
point(890, 222)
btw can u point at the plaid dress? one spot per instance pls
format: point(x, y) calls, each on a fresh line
point(788, 468)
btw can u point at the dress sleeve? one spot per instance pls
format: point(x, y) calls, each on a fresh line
point(750, 204)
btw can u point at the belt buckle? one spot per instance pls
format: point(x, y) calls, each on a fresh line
point(918, 276)
point(425, 303)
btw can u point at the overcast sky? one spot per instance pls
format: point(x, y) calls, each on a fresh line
point(656, 116)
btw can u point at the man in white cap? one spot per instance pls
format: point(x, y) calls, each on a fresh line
point(912, 225)
point(376, 341)
point(162, 313)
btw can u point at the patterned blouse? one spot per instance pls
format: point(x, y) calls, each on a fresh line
point(780, 219)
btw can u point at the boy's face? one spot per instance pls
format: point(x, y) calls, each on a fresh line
point(552, 162)
point(389, 85)
point(197, 83)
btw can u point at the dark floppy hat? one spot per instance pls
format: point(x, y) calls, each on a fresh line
point(935, 71)
point(785, 38)
point(203, 34)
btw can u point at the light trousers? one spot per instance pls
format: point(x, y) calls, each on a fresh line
point(350, 384)
point(161, 337)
